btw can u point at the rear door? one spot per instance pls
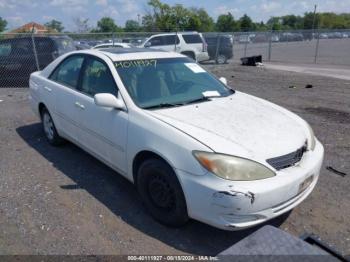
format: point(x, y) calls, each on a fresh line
point(61, 94)
point(195, 41)
point(164, 42)
point(170, 43)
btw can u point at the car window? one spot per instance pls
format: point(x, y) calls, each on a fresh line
point(43, 45)
point(22, 46)
point(97, 78)
point(67, 72)
point(170, 40)
point(5, 49)
point(192, 39)
point(156, 41)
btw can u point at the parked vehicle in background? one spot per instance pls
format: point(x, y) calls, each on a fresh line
point(345, 35)
point(291, 37)
point(108, 45)
point(261, 38)
point(191, 44)
point(220, 47)
point(81, 45)
point(193, 146)
point(275, 38)
point(242, 39)
point(18, 60)
point(322, 36)
point(134, 41)
point(93, 43)
point(335, 35)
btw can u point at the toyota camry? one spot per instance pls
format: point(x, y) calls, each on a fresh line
point(193, 146)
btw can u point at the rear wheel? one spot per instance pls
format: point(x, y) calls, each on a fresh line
point(162, 193)
point(221, 59)
point(190, 55)
point(49, 128)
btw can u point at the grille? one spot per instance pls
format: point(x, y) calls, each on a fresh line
point(287, 160)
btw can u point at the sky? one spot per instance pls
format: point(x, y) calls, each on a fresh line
point(19, 12)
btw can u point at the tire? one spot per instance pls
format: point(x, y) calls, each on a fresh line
point(49, 129)
point(161, 192)
point(221, 59)
point(190, 55)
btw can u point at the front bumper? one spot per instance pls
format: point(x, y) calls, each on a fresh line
point(234, 205)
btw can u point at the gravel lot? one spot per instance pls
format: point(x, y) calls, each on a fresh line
point(63, 201)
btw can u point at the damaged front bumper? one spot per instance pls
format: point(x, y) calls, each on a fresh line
point(234, 205)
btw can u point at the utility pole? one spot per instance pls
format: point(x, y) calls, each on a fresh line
point(313, 22)
point(138, 19)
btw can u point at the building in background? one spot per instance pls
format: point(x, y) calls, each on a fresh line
point(32, 27)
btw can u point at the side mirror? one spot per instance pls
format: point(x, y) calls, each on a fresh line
point(223, 80)
point(109, 100)
point(147, 44)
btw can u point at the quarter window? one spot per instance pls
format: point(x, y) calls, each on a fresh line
point(97, 78)
point(192, 39)
point(67, 72)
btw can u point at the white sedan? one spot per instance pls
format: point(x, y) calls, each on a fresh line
point(194, 147)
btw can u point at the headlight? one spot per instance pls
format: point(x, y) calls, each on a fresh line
point(311, 142)
point(231, 167)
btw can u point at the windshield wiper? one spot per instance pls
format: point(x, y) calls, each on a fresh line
point(200, 99)
point(162, 105)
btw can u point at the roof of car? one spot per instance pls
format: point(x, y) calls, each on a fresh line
point(118, 54)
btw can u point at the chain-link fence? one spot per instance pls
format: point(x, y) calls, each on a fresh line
point(21, 54)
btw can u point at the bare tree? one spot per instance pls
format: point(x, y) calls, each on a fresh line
point(81, 24)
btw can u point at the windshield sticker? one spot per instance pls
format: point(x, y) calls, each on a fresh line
point(211, 93)
point(195, 68)
point(136, 63)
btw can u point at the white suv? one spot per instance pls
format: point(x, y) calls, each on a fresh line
point(191, 44)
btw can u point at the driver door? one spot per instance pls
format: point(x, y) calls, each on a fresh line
point(103, 130)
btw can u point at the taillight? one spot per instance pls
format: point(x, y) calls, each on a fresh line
point(205, 46)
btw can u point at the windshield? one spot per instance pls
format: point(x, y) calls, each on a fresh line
point(168, 81)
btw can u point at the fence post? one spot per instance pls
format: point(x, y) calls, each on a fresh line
point(217, 47)
point(270, 46)
point(245, 45)
point(35, 53)
point(317, 43)
point(233, 46)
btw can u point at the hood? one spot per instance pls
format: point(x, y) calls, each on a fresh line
point(240, 125)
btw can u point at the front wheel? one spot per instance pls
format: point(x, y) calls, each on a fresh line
point(49, 128)
point(162, 193)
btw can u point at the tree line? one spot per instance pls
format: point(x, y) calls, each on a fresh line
point(163, 17)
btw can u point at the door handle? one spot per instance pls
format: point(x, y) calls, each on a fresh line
point(77, 104)
point(47, 89)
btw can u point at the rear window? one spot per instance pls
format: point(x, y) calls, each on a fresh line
point(192, 39)
point(170, 40)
